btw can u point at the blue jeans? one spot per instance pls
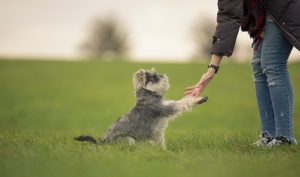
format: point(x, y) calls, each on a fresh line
point(274, 92)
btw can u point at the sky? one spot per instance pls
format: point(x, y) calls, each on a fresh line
point(158, 29)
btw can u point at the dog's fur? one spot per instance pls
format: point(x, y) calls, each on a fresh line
point(149, 118)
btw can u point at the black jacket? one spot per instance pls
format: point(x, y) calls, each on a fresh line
point(286, 13)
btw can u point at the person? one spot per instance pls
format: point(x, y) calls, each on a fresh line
point(275, 29)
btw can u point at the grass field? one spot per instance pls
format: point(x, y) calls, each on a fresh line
point(44, 104)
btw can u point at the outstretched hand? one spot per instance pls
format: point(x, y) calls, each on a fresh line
point(197, 89)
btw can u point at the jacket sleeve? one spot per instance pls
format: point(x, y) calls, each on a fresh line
point(286, 15)
point(229, 20)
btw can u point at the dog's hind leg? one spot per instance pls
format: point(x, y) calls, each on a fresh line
point(162, 142)
point(126, 140)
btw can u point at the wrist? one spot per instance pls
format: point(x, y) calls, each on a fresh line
point(211, 71)
point(213, 67)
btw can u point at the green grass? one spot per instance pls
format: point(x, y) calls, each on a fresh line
point(44, 104)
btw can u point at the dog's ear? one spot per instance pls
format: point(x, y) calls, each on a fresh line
point(139, 79)
point(153, 70)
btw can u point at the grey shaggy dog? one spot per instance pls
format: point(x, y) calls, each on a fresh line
point(150, 116)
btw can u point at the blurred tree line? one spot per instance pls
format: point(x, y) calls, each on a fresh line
point(201, 34)
point(108, 39)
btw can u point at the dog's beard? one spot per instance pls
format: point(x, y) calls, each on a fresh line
point(160, 86)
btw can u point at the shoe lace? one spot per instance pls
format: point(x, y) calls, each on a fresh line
point(264, 139)
point(274, 142)
point(279, 140)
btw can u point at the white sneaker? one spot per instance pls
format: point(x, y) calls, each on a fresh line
point(279, 140)
point(264, 140)
point(274, 142)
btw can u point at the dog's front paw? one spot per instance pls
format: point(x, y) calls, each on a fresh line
point(202, 100)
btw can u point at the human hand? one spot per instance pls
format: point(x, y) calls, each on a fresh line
point(196, 90)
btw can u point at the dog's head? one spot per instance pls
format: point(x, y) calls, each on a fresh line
point(150, 80)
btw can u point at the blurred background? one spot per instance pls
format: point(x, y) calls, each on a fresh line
point(137, 30)
point(43, 105)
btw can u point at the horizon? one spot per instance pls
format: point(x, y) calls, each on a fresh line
point(159, 30)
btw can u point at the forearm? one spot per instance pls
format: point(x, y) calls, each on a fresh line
point(215, 60)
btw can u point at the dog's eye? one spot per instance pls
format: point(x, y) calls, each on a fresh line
point(155, 78)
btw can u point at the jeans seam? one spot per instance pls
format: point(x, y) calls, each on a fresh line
point(288, 100)
point(285, 89)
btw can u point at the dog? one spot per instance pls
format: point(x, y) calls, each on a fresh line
point(150, 116)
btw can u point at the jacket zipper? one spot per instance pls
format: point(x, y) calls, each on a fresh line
point(279, 24)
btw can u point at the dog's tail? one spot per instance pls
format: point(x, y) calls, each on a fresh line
point(86, 138)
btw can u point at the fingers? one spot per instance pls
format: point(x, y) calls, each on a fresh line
point(192, 91)
point(188, 93)
point(195, 92)
point(190, 88)
point(198, 91)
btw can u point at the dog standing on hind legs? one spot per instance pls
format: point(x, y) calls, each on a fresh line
point(150, 116)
